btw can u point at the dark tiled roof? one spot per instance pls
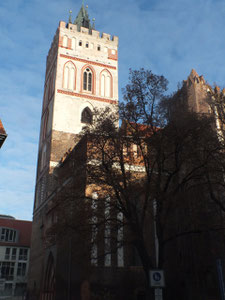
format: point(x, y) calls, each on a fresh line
point(24, 228)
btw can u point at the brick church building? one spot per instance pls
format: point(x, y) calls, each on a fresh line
point(81, 76)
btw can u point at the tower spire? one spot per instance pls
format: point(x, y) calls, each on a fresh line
point(82, 18)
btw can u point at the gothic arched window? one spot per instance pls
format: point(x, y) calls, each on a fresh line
point(69, 76)
point(86, 116)
point(106, 84)
point(87, 80)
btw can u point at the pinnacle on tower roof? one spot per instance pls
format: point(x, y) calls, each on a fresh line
point(82, 18)
point(193, 73)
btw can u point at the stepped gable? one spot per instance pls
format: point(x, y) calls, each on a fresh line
point(197, 90)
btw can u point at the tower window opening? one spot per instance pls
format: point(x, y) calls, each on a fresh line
point(80, 43)
point(87, 80)
point(86, 116)
point(87, 45)
point(99, 48)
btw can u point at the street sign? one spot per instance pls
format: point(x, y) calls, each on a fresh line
point(157, 278)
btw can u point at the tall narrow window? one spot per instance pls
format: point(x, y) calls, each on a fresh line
point(66, 76)
point(103, 85)
point(69, 76)
point(87, 80)
point(71, 79)
point(106, 84)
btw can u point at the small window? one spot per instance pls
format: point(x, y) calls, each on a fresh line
point(99, 48)
point(80, 43)
point(86, 116)
point(87, 45)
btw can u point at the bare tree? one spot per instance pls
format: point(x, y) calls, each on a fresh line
point(151, 163)
point(140, 179)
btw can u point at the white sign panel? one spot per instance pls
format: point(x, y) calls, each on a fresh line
point(157, 278)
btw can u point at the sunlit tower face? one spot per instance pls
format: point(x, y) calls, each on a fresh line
point(81, 75)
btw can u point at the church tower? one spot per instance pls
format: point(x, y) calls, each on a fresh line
point(81, 74)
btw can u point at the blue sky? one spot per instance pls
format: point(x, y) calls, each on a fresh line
point(170, 37)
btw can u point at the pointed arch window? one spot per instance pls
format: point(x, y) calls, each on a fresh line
point(106, 84)
point(87, 80)
point(69, 76)
point(86, 116)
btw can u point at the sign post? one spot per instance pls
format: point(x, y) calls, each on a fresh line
point(158, 282)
